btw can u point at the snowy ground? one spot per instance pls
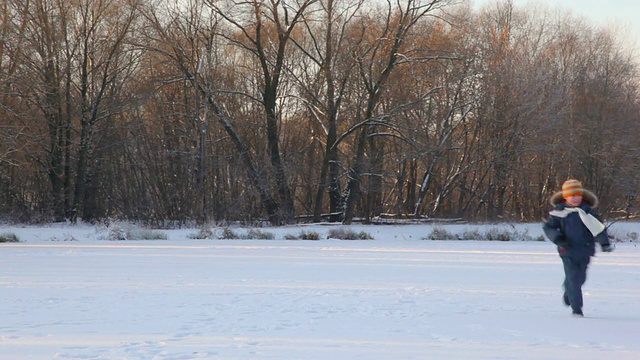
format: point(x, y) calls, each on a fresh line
point(66, 294)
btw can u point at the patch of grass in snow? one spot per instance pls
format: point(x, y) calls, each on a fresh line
point(229, 234)
point(202, 234)
point(439, 233)
point(492, 234)
point(258, 235)
point(303, 235)
point(348, 234)
point(252, 234)
point(8, 237)
point(471, 235)
point(495, 234)
point(145, 234)
point(118, 232)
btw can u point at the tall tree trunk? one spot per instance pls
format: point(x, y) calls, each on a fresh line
point(374, 193)
point(355, 177)
point(53, 112)
point(401, 178)
point(335, 193)
point(284, 192)
point(68, 188)
point(329, 173)
point(81, 169)
point(202, 125)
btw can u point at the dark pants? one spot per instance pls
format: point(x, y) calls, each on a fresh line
point(575, 274)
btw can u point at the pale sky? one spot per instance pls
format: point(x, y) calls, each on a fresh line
point(624, 13)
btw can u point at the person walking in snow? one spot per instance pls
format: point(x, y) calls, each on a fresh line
point(574, 226)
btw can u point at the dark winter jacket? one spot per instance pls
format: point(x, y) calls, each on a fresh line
point(566, 227)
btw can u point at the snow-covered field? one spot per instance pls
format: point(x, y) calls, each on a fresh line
point(66, 294)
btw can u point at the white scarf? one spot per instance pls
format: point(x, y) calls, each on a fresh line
point(590, 221)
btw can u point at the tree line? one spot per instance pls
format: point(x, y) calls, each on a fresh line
point(315, 110)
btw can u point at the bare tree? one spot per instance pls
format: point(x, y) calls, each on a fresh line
point(266, 29)
point(377, 58)
point(323, 83)
point(40, 61)
point(102, 32)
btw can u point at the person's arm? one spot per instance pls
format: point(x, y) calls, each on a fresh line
point(603, 240)
point(553, 231)
point(603, 237)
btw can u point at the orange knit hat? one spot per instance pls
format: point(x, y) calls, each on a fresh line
point(571, 188)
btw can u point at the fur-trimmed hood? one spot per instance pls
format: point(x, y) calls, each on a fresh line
point(587, 197)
